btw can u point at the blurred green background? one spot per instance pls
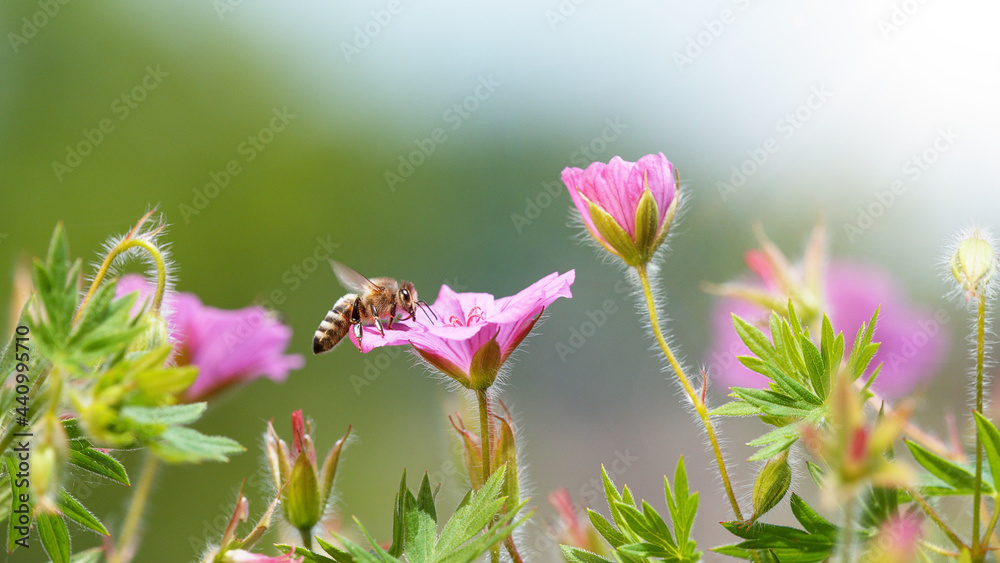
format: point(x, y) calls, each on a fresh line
point(849, 94)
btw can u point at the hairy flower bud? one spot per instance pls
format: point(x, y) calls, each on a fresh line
point(771, 485)
point(154, 334)
point(50, 453)
point(974, 263)
point(505, 454)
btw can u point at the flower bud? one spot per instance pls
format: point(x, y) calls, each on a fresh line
point(974, 263)
point(300, 499)
point(50, 453)
point(505, 454)
point(771, 485)
point(153, 335)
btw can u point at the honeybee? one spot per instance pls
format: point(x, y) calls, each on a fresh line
point(375, 301)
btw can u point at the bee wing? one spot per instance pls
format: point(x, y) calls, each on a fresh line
point(351, 279)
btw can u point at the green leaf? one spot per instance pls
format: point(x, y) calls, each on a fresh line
point(607, 531)
point(810, 519)
point(399, 519)
point(736, 408)
point(421, 527)
point(92, 555)
point(775, 442)
point(818, 374)
point(863, 350)
point(773, 403)
point(470, 519)
point(574, 555)
point(179, 444)
point(990, 437)
point(337, 555)
point(100, 463)
point(310, 557)
point(167, 415)
point(954, 475)
point(55, 537)
point(816, 472)
point(364, 556)
point(72, 509)
point(755, 340)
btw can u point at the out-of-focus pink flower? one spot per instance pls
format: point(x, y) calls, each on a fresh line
point(913, 338)
point(627, 206)
point(897, 540)
point(241, 556)
point(229, 347)
point(574, 530)
point(475, 333)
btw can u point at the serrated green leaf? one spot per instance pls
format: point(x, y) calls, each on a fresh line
point(956, 476)
point(166, 415)
point(310, 557)
point(421, 535)
point(816, 472)
point(773, 403)
point(100, 463)
point(337, 555)
point(736, 408)
point(55, 537)
point(810, 519)
point(803, 396)
point(72, 509)
point(775, 442)
point(382, 554)
point(607, 531)
point(990, 438)
point(92, 555)
point(815, 368)
point(575, 555)
point(399, 519)
point(755, 339)
point(470, 519)
point(179, 444)
point(483, 542)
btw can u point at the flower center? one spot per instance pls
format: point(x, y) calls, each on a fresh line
point(474, 314)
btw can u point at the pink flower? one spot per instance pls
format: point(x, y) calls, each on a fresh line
point(228, 347)
point(241, 556)
point(475, 333)
point(627, 206)
point(913, 338)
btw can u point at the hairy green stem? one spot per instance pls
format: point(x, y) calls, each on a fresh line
point(135, 509)
point(161, 270)
point(977, 489)
point(696, 399)
point(485, 441)
point(933, 515)
point(993, 521)
point(847, 532)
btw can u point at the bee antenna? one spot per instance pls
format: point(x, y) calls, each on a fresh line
point(427, 308)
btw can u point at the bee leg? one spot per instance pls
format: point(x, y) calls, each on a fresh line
point(392, 317)
point(378, 323)
point(358, 332)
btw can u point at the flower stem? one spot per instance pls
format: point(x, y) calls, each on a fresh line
point(977, 489)
point(699, 403)
point(485, 441)
point(847, 533)
point(136, 507)
point(929, 511)
point(161, 270)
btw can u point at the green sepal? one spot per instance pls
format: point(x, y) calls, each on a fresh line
point(485, 364)
point(613, 235)
point(300, 499)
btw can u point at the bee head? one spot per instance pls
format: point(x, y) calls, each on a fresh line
point(407, 298)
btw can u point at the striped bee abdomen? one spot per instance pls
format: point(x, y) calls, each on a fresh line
point(335, 326)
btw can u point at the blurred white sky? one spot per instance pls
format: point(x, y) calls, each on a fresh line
point(899, 71)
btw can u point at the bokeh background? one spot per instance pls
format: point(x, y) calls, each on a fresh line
point(852, 95)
